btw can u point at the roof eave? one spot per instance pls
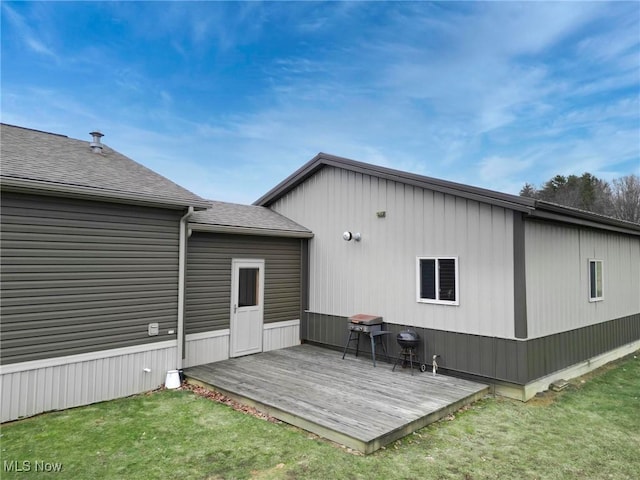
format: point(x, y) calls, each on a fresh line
point(292, 181)
point(559, 213)
point(513, 202)
point(92, 193)
point(265, 232)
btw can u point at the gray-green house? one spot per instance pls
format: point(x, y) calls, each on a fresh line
point(111, 274)
point(94, 266)
point(507, 289)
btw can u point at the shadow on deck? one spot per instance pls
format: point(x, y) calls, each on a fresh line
point(347, 401)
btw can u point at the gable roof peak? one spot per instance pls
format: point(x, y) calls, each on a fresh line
point(322, 160)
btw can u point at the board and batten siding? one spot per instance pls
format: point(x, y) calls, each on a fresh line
point(208, 281)
point(378, 274)
point(557, 271)
point(82, 276)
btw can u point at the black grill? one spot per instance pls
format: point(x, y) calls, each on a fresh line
point(408, 340)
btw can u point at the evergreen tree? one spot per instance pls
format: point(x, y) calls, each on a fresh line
point(587, 192)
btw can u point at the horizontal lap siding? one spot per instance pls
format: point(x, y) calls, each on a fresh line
point(80, 276)
point(209, 278)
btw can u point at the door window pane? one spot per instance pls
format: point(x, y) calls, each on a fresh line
point(248, 287)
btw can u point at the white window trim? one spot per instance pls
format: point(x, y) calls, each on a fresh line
point(600, 298)
point(437, 301)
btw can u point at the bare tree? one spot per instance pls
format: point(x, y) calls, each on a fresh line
point(625, 196)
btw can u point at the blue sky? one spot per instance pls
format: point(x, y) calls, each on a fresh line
point(227, 99)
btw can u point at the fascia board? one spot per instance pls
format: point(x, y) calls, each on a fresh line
point(78, 191)
point(512, 202)
point(520, 204)
point(292, 181)
point(584, 221)
point(266, 232)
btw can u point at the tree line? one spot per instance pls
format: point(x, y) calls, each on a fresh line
point(618, 199)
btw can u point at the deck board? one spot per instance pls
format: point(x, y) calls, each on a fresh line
point(347, 401)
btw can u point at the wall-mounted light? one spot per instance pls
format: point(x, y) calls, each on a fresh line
point(348, 236)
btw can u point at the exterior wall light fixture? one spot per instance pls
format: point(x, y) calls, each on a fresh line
point(348, 236)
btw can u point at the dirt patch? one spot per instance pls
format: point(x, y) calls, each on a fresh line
point(543, 399)
point(220, 398)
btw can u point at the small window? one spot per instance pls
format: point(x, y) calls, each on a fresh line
point(437, 280)
point(248, 284)
point(595, 280)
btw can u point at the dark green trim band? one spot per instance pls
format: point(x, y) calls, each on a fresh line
point(509, 360)
point(519, 278)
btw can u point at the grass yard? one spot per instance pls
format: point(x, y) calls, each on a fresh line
point(589, 431)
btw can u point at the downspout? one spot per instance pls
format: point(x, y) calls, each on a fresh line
point(182, 267)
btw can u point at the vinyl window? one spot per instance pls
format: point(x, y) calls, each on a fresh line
point(437, 280)
point(595, 281)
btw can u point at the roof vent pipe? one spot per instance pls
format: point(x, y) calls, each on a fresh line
point(95, 145)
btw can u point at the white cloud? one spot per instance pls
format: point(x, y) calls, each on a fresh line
point(614, 45)
point(28, 35)
point(519, 28)
point(495, 167)
point(475, 94)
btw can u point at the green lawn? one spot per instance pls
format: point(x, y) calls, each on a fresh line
point(589, 431)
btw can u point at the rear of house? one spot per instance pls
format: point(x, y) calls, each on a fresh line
point(112, 275)
point(90, 272)
point(503, 288)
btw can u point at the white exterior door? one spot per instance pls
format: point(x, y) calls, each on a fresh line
point(247, 306)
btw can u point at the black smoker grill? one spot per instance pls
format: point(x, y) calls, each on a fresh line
point(408, 340)
point(369, 325)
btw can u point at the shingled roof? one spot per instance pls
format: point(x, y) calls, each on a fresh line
point(38, 161)
point(246, 219)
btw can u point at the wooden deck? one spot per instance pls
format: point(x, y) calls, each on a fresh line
point(347, 401)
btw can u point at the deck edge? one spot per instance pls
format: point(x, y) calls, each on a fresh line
point(364, 446)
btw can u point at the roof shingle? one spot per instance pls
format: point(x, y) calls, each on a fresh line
point(251, 219)
point(49, 162)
